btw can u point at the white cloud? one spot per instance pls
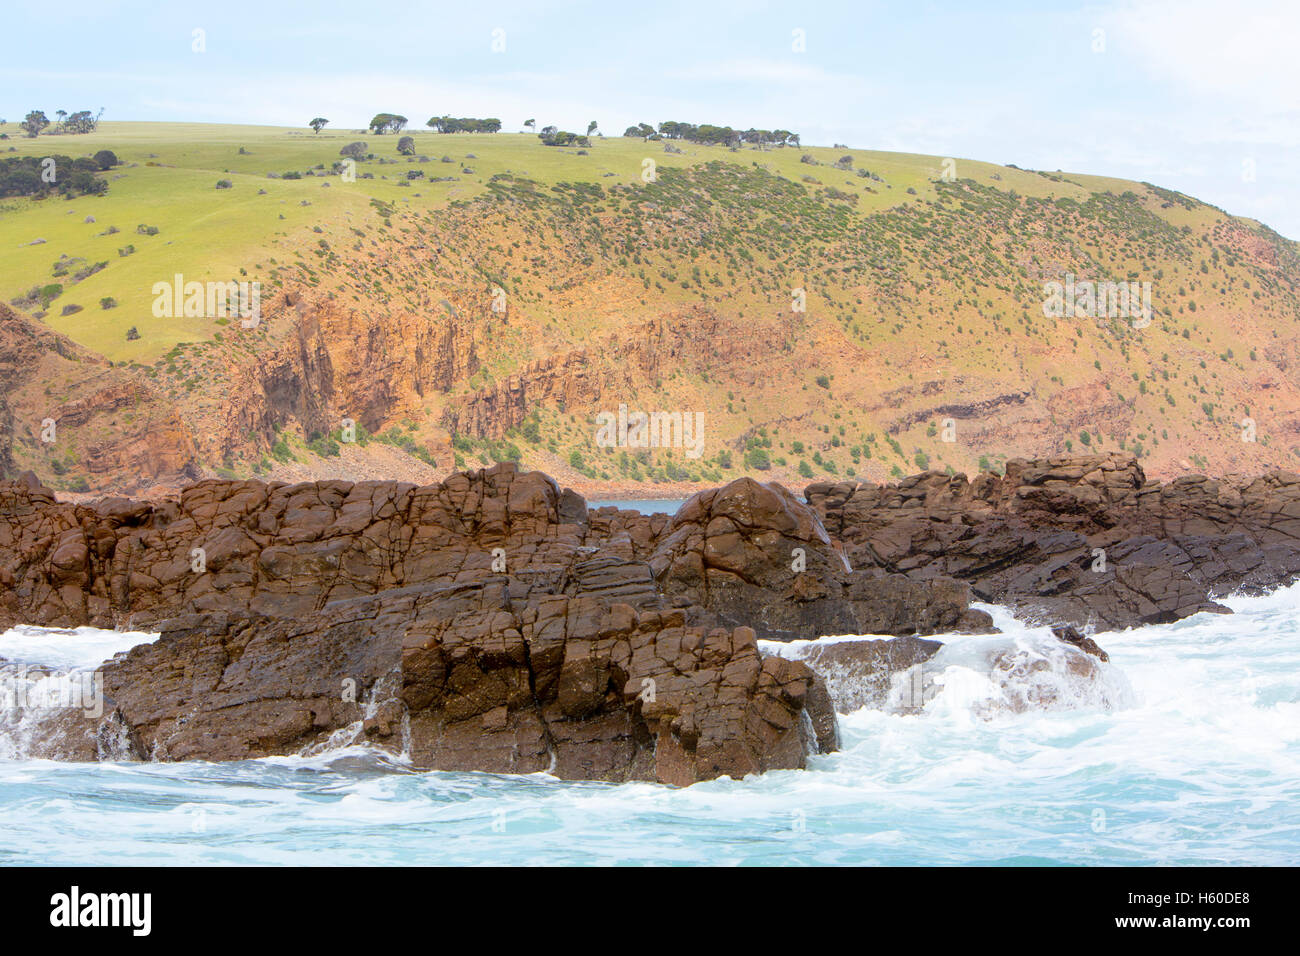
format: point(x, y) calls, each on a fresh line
point(1234, 52)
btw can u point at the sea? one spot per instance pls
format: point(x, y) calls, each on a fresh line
point(1183, 749)
point(647, 506)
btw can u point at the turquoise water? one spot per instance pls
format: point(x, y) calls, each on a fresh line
point(647, 506)
point(1185, 750)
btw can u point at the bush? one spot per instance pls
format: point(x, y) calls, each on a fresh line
point(325, 446)
point(406, 146)
point(224, 184)
point(280, 450)
point(108, 302)
point(106, 159)
point(22, 176)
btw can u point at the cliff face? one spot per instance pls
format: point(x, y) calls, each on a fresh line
point(565, 381)
point(326, 362)
point(109, 426)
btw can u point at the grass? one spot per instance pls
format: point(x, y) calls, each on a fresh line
point(916, 288)
point(210, 234)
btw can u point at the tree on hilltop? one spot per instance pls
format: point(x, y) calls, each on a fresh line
point(554, 136)
point(387, 123)
point(81, 122)
point(463, 124)
point(34, 122)
point(318, 124)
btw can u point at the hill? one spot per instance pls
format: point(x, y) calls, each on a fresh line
point(821, 313)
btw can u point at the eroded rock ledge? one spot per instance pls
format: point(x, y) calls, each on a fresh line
point(489, 622)
point(1087, 541)
point(493, 622)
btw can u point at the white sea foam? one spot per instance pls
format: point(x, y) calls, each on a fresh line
point(47, 674)
point(67, 649)
point(1199, 764)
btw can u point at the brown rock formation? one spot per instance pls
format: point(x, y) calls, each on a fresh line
point(484, 623)
point(493, 622)
point(1087, 541)
point(755, 553)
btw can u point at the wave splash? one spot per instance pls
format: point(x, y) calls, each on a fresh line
point(1018, 670)
point(52, 702)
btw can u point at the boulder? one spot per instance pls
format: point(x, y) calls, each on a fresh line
point(755, 554)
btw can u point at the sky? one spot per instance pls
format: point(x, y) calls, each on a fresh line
point(1194, 95)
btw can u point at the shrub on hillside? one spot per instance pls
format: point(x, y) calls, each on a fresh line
point(23, 176)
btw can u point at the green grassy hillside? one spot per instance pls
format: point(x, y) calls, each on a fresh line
point(924, 281)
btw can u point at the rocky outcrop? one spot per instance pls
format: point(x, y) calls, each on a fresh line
point(487, 622)
point(1072, 637)
point(995, 674)
point(466, 677)
point(1085, 541)
point(754, 553)
point(494, 622)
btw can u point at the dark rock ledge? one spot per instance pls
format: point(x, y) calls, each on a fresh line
point(492, 622)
